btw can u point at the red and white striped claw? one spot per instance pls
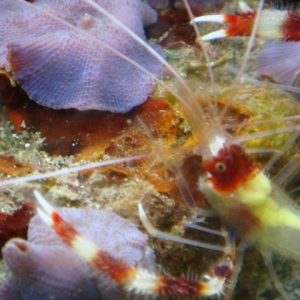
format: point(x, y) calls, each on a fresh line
point(135, 280)
point(273, 24)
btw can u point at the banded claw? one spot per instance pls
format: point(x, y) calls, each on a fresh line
point(273, 24)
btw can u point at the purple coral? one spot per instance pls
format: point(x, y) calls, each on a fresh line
point(280, 61)
point(55, 51)
point(44, 268)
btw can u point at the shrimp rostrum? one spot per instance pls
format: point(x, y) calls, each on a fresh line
point(248, 202)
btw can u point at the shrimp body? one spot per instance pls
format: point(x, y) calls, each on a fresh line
point(249, 203)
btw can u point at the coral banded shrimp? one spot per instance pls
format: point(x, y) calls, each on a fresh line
point(222, 154)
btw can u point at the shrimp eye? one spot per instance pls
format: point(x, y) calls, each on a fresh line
point(220, 167)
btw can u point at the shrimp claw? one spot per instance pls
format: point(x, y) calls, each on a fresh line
point(136, 280)
point(273, 24)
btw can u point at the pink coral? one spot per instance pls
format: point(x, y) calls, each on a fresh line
point(280, 61)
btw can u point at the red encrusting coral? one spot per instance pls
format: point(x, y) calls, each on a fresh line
point(172, 27)
point(16, 225)
point(9, 92)
point(9, 165)
point(87, 134)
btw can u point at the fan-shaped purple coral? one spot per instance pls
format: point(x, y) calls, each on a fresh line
point(280, 61)
point(44, 268)
point(55, 51)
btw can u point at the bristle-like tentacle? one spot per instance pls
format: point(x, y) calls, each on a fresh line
point(210, 18)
